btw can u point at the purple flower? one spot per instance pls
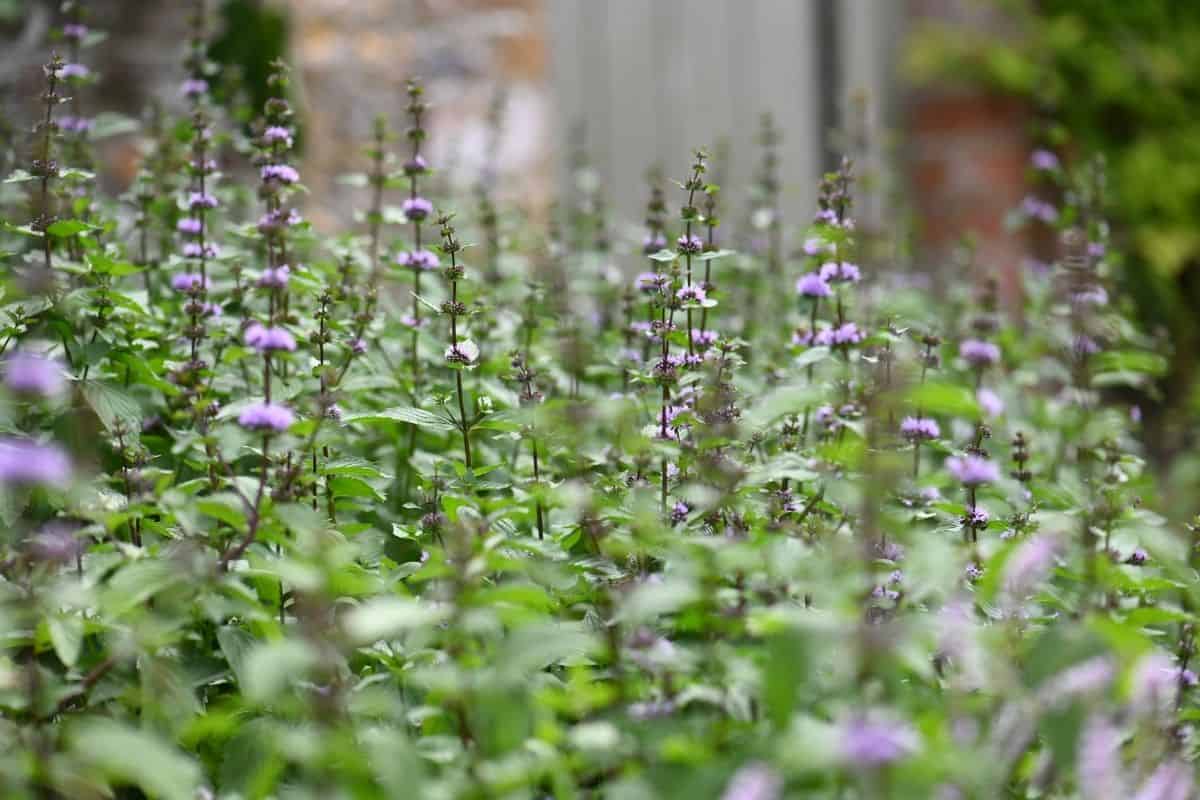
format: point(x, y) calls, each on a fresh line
point(33, 374)
point(977, 517)
point(825, 416)
point(409, 321)
point(358, 346)
point(190, 226)
point(1039, 209)
point(266, 339)
point(653, 243)
point(979, 353)
point(1099, 766)
point(690, 245)
point(280, 218)
point(266, 416)
point(1028, 566)
point(973, 572)
point(679, 512)
point(73, 71)
point(71, 124)
point(416, 209)
point(195, 250)
point(649, 282)
point(872, 741)
point(972, 470)
point(692, 294)
point(703, 338)
point(193, 87)
point(1085, 345)
point(277, 134)
point(1044, 160)
point(847, 333)
point(282, 173)
point(24, 462)
point(1171, 781)
point(74, 31)
point(1138, 557)
point(418, 259)
point(753, 782)
point(842, 271)
point(188, 282)
point(201, 200)
point(811, 284)
point(275, 278)
point(415, 165)
point(931, 494)
point(1135, 414)
point(990, 402)
point(917, 428)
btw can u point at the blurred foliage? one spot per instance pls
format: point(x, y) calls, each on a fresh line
point(251, 36)
point(1121, 79)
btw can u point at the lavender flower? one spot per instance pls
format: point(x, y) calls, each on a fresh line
point(190, 226)
point(1044, 160)
point(1171, 781)
point(692, 294)
point(73, 71)
point(842, 271)
point(193, 87)
point(872, 741)
point(1028, 566)
point(24, 462)
point(358, 346)
point(1099, 763)
point(189, 282)
point(847, 333)
point(690, 245)
point(201, 200)
point(972, 470)
point(74, 31)
point(33, 374)
point(918, 428)
point(679, 512)
point(277, 134)
point(275, 278)
point(977, 517)
point(753, 782)
point(703, 338)
point(266, 339)
point(990, 402)
point(811, 284)
point(195, 250)
point(653, 243)
point(416, 209)
point(281, 173)
point(418, 259)
point(72, 124)
point(267, 416)
point(979, 353)
point(1039, 210)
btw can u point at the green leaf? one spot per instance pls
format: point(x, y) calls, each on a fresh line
point(388, 617)
point(235, 645)
point(112, 405)
point(664, 255)
point(271, 667)
point(346, 486)
point(945, 399)
point(66, 228)
point(66, 635)
point(129, 755)
point(413, 416)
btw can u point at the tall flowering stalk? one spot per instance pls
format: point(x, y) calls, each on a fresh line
point(416, 210)
point(691, 246)
point(767, 214)
point(462, 352)
point(43, 166)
